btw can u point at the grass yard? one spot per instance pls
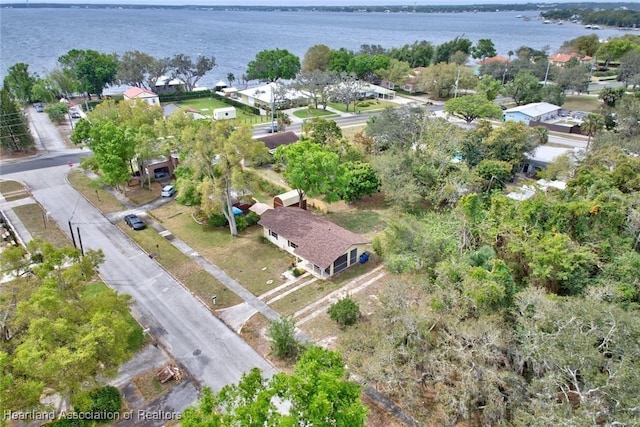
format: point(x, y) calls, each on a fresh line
point(365, 106)
point(98, 196)
point(13, 190)
point(256, 266)
point(183, 268)
point(588, 103)
point(34, 219)
point(141, 196)
point(306, 113)
point(206, 106)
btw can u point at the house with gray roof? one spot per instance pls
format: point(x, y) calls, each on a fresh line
point(537, 112)
point(320, 246)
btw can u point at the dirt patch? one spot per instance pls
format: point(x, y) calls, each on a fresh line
point(378, 417)
point(150, 388)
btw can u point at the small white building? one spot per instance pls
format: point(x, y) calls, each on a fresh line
point(226, 113)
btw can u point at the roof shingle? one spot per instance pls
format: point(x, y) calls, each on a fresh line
point(319, 241)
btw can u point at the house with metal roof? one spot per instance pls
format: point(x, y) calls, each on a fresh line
point(320, 246)
point(537, 112)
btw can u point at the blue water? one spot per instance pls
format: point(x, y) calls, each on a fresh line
point(39, 36)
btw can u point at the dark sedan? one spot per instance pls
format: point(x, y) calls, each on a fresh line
point(134, 222)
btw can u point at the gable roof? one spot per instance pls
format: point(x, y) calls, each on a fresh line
point(319, 241)
point(533, 110)
point(137, 92)
point(277, 139)
point(563, 58)
point(493, 59)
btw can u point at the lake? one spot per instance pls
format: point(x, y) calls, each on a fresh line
point(38, 36)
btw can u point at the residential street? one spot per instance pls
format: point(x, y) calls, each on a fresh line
point(200, 343)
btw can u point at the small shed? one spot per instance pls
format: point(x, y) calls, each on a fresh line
point(224, 113)
point(289, 199)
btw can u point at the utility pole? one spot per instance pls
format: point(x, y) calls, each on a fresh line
point(73, 239)
point(273, 105)
point(546, 74)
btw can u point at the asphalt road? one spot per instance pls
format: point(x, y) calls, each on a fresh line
point(199, 342)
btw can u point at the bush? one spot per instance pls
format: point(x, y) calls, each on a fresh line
point(263, 239)
point(297, 272)
point(102, 403)
point(105, 400)
point(283, 338)
point(252, 218)
point(345, 312)
point(218, 220)
point(241, 223)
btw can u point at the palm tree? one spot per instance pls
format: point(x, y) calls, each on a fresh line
point(591, 125)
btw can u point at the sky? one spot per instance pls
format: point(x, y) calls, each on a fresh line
point(298, 2)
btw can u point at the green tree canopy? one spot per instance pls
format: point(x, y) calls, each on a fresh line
point(472, 107)
point(94, 70)
point(272, 65)
point(67, 330)
point(20, 82)
point(483, 49)
point(312, 169)
point(318, 394)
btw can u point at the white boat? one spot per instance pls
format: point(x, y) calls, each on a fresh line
point(546, 21)
point(519, 16)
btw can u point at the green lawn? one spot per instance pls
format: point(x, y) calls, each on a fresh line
point(40, 227)
point(582, 103)
point(13, 190)
point(98, 196)
point(256, 266)
point(306, 113)
point(207, 105)
point(367, 105)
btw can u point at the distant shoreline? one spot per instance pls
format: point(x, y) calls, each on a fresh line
point(537, 7)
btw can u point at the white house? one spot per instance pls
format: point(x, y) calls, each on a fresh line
point(537, 112)
point(320, 246)
point(263, 96)
point(136, 93)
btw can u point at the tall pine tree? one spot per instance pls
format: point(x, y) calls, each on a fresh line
point(14, 130)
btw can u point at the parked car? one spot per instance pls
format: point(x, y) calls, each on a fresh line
point(168, 191)
point(75, 115)
point(160, 175)
point(39, 107)
point(272, 128)
point(134, 222)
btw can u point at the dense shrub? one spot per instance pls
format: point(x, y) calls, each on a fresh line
point(105, 400)
point(252, 218)
point(297, 272)
point(283, 338)
point(218, 220)
point(241, 223)
point(345, 311)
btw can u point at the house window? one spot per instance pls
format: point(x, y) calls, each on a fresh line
point(273, 234)
point(353, 256)
point(291, 244)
